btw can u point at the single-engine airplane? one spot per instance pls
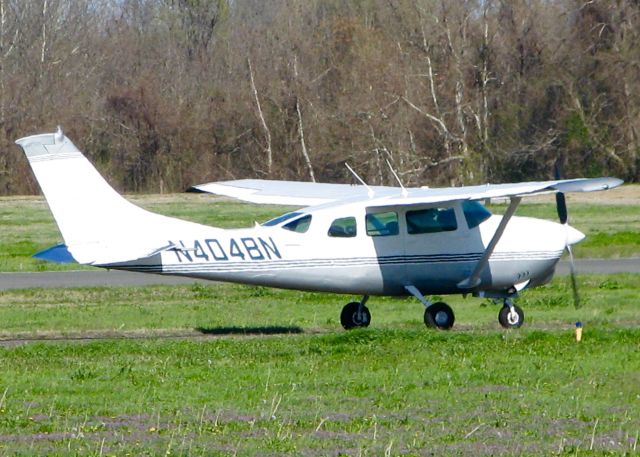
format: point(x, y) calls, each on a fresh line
point(349, 239)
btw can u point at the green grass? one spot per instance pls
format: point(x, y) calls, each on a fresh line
point(405, 392)
point(234, 370)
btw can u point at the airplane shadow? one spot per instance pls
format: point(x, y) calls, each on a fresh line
point(270, 330)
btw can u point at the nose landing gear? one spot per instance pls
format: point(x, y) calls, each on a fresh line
point(511, 316)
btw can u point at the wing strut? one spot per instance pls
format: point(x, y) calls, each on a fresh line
point(474, 280)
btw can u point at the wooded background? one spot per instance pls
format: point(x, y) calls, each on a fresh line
point(163, 94)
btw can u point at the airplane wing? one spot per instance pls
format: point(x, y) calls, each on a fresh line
point(310, 194)
point(294, 193)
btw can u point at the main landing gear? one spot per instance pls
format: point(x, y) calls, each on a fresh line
point(355, 314)
point(439, 315)
point(436, 315)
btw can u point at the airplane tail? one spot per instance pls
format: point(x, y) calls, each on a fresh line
point(97, 224)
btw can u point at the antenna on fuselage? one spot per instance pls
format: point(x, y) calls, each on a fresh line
point(404, 191)
point(370, 191)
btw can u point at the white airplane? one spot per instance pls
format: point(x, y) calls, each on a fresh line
point(348, 239)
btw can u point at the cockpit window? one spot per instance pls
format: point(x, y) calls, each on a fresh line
point(475, 213)
point(431, 220)
point(382, 224)
point(345, 227)
point(300, 225)
point(280, 219)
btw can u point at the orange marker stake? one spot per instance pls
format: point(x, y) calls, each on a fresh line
point(578, 331)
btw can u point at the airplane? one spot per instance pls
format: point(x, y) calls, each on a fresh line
point(348, 239)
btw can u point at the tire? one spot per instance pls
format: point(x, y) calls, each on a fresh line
point(351, 318)
point(440, 316)
point(511, 321)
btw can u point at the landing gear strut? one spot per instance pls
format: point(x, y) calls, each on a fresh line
point(355, 314)
point(511, 316)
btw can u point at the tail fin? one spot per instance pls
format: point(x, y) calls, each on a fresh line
point(98, 225)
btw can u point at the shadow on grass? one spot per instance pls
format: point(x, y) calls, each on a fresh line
point(270, 330)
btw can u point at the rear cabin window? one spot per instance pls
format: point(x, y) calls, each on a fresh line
point(345, 227)
point(300, 225)
point(382, 224)
point(431, 220)
point(475, 213)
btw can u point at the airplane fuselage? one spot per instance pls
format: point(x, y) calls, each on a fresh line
point(354, 250)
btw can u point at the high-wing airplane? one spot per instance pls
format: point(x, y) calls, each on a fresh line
point(348, 239)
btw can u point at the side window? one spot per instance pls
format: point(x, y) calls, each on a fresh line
point(300, 225)
point(431, 220)
point(344, 227)
point(382, 224)
point(475, 213)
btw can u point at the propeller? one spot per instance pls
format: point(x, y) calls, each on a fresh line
point(563, 215)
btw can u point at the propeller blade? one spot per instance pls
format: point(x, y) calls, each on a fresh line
point(557, 172)
point(563, 215)
point(574, 282)
point(561, 206)
point(561, 202)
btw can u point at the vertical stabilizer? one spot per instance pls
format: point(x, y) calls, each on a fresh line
point(94, 220)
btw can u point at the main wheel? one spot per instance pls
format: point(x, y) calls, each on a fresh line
point(511, 319)
point(439, 315)
point(354, 316)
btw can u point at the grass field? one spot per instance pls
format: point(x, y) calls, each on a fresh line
point(233, 370)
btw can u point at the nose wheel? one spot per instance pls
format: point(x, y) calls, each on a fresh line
point(355, 314)
point(511, 316)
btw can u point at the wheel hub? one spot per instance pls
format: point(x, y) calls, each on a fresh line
point(513, 318)
point(441, 318)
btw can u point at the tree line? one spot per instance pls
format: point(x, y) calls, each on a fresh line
point(163, 94)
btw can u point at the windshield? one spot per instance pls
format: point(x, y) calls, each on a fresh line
point(475, 213)
point(300, 225)
point(279, 219)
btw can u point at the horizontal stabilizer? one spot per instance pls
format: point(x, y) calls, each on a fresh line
point(109, 254)
point(58, 254)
